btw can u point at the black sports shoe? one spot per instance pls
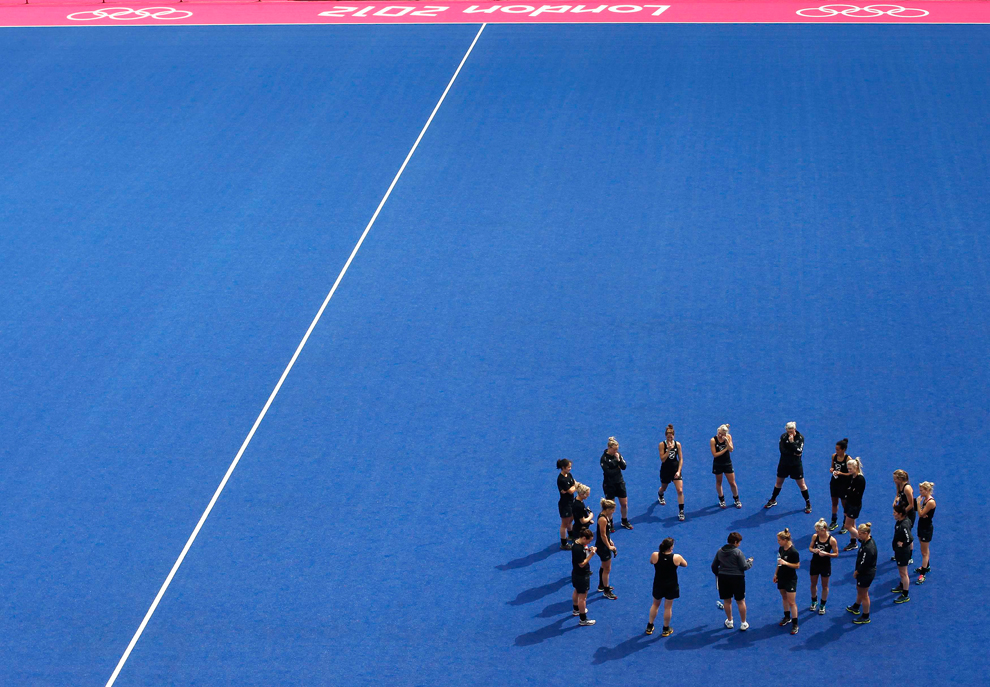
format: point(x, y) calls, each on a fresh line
point(843, 531)
point(850, 546)
point(609, 594)
point(897, 590)
point(721, 503)
point(661, 500)
point(601, 587)
point(902, 599)
point(566, 546)
point(666, 632)
point(832, 525)
point(807, 508)
point(794, 629)
point(854, 611)
point(626, 525)
point(861, 621)
point(786, 620)
point(649, 628)
point(770, 504)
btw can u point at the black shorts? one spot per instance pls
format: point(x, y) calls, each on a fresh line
point(787, 585)
point(838, 488)
point(795, 471)
point(667, 473)
point(732, 587)
point(666, 591)
point(722, 468)
point(925, 533)
point(564, 508)
point(614, 491)
point(821, 566)
point(865, 579)
point(902, 556)
point(604, 553)
point(852, 510)
point(581, 582)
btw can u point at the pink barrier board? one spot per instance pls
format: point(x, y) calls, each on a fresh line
point(127, 13)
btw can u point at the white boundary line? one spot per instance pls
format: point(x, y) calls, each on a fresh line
point(285, 373)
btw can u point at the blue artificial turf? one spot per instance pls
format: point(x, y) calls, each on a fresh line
point(606, 229)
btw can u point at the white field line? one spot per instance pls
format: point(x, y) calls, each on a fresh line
point(285, 373)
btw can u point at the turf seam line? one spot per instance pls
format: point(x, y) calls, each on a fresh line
point(285, 373)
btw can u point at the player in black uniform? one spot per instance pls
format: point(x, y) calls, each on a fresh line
point(926, 513)
point(721, 446)
point(605, 547)
point(671, 467)
point(905, 498)
point(823, 549)
point(581, 556)
point(839, 483)
point(790, 465)
point(565, 487)
point(852, 504)
point(866, 570)
point(905, 494)
point(580, 512)
point(902, 544)
point(785, 575)
point(665, 564)
point(613, 484)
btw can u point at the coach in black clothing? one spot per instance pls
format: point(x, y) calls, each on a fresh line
point(613, 483)
point(790, 465)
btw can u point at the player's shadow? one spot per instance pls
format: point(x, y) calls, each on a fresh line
point(745, 640)
point(554, 629)
point(761, 517)
point(839, 625)
point(537, 593)
point(690, 515)
point(530, 559)
point(604, 654)
point(563, 607)
point(648, 516)
point(695, 638)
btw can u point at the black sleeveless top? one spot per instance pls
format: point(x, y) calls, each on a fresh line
point(931, 514)
point(665, 572)
point(670, 453)
point(565, 482)
point(825, 546)
point(902, 499)
point(840, 465)
point(599, 542)
point(725, 458)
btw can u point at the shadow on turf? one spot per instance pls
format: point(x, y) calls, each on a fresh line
point(761, 517)
point(525, 561)
point(537, 593)
point(841, 623)
point(603, 654)
point(563, 607)
point(744, 640)
point(554, 629)
point(649, 517)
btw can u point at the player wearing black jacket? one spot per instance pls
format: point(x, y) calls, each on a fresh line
point(613, 484)
point(790, 465)
point(866, 570)
point(902, 544)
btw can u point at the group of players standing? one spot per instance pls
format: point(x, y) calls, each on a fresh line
point(847, 485)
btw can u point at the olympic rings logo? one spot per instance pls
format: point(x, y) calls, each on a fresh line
point(863, 12)
point(127, 14)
